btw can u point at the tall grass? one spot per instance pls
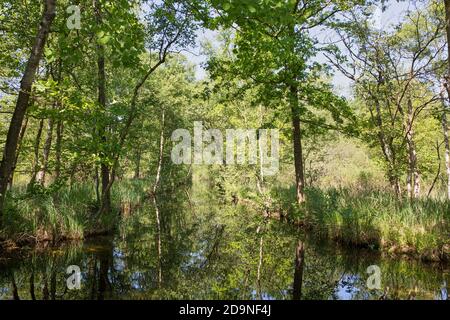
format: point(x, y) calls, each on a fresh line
point(377, 219)
point(130, 191)
point(50, 213)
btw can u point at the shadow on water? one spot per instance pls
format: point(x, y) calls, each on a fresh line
point(212, 251)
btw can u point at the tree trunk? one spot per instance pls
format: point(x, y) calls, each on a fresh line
point(387, 150)
point(103, 277)
point(153, 194)
point(53, 284)
point(259, 270)
point(137, 168)
point(32, 291)
point(58, 146)
point(395, 183)
point(298, 153)
point(447, 86)
point(161, 154)
point(37, 143)
point(104, 286)
point(447, 150)
point(9, 153)
point(298, 274)
point(45, 292)
point(104, 167)
point(92, 274)
point(15, 291)
point(413, 172)
point(19, 146)
point(40, 178)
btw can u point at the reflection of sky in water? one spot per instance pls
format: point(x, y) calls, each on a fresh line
point(118, 257)
point(3, 292)
point(196, 258)
point(346, 288)
point(443, 293)
point(191, 274)
point(136, 279)
point(350, 287)
point(264, 296)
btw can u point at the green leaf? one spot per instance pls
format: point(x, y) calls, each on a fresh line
point(104, 40)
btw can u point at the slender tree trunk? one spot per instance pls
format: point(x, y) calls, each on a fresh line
point(45, 292)
point(413, 172)
point(161, 154)
point(104, 285)
point(104, 167)
point(37, 143)
point(19, 147)
point(298, 153)
point(137, 168)
point(409, 179)
point(97, 185)
point(447, 86)
point(259, 270)
point(9, 152)
point(40, 178)
point(32, 293)
point(409, 175)
point(158, 239)
point(53, 285)
point(447, 150)
point(387, 150)
point(298, 274)
point(102, 280)
point(395, 183)
point(58, 147)
point(155, 189)
point(15, 291)
point(438, 173)
point(93, 276)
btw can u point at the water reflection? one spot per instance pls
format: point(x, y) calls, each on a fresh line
point(212, 253)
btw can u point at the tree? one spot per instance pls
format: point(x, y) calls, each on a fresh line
point(446, 85)
point(390, 70)
point(9, 153)
point(101, 85)
point(274, 47)
point(171, 26)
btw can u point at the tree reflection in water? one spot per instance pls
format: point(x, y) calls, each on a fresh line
point(211, 251)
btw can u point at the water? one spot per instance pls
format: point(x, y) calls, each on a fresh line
point(211, 252)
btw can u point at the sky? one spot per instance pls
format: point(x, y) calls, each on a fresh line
point(195, 55)
point(383, 20)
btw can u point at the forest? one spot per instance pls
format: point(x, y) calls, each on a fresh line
point(225, 149)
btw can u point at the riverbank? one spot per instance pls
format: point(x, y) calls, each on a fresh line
point(67, 213)
point(201, 259)
point(417, 229)
point(375, 220)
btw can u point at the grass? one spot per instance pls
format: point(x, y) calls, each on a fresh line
point(62, 212)
point(377, 219)
point(356, 217)
point(55, 213)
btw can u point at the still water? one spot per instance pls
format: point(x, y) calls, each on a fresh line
point(211, 253)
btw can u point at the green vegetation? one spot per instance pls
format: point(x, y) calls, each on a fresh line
point(379, 220)
point(68, 213)
point(88, 112)
point(210, 251)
